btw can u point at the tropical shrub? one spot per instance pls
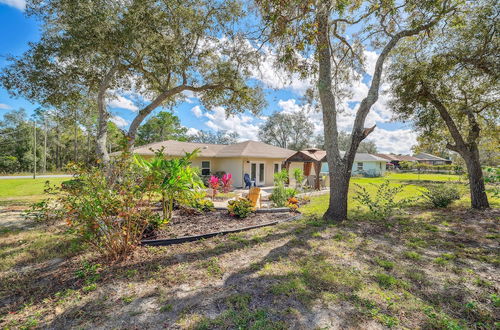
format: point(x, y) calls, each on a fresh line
point(174, 179)
point(298, 175)
point(240, 208)
point(226, 182)
point(293, 203)
point(384, 202)
point(280, 193)
point(199, 202)
point(441, 195)
point(214, 184)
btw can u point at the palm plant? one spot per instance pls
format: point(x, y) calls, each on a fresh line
point(174, 179)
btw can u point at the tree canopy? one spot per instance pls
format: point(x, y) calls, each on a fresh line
point(160, 127)
point(287, 130)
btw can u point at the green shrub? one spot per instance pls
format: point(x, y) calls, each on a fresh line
point(441, 195)
point(298, 175)
point(174, 179)
point(110, 208)
point(198, 200)
point(281, 194)
point(240, 208)
point(384, 201)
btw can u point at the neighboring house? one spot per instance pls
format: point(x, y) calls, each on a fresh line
point(397, 159)
point(313, 161)
point(431, 159)
point(259, 160)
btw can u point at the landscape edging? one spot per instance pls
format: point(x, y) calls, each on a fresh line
point(179, 240)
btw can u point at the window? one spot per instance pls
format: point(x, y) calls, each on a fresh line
point(253, 171)
point(261, 172)
point(360, 166)
point(205, 167)
point(276, 167)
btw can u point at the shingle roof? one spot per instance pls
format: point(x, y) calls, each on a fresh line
point(426, 156)
point(242, 149)
point(397, 157)
point(320, 155)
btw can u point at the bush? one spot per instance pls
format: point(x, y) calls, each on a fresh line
point(174, 179)
point(109, 209)
point(298, 174)
point(200, 203)
point(383, 203)
point(281, 194)
point(240, 208)
point(441, 195)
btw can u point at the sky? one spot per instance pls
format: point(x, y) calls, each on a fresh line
point(282, 94)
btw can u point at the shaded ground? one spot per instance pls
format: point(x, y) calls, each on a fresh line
point(425, 268)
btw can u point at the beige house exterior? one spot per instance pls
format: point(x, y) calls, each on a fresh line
point(259, 160)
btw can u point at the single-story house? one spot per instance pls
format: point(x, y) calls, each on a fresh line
point(429, 159)
point(259, 160)
point(396, 159)
point(313, 162)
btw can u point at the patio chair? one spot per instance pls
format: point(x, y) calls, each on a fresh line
point(248, 182)
point(254, 196)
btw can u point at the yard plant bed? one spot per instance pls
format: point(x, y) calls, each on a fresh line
point(213, 222)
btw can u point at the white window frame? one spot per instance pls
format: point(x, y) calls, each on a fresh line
point(209, 168)
point(358, 167)
point(279, 167)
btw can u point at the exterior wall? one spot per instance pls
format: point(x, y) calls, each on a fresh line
point(238, 167)
point(368, 166)
point(233, 166)
point(268, 167)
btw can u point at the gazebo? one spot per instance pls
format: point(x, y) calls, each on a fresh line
point(310, 157)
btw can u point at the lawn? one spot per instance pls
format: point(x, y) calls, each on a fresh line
point(13, 191)
point(423, 268)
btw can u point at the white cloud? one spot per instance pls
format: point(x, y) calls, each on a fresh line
point(121, 102)
point(19, 4)
point(192, 131)
point(197, 111)
point(370, 61)
point(397, 141)
point(241, 124)
point(119, 121)
point(4, 106)
point(277, 78)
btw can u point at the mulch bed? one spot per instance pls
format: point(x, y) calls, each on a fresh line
point(197, 224)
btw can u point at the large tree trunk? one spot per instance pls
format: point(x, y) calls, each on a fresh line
point(339, 186)
point(102, 127)
point(479, 199)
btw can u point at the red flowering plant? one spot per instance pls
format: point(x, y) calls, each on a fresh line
point(214, 184)
point(227, 182)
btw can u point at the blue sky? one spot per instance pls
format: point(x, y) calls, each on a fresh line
point(16, 31)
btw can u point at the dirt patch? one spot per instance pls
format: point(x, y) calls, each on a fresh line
point(12, 217)
point(210, 222)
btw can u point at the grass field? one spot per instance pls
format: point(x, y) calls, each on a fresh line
point(424, 268)
point(412, 188)
point(22, 191)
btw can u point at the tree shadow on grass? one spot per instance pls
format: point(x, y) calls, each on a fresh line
point(252, 296)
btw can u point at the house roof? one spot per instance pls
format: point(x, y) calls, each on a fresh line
point(400, 158)
point(250, 149)
point(425, 156)
point(320, 155)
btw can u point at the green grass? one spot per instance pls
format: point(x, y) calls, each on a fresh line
point(25, 187)
point(411, 189)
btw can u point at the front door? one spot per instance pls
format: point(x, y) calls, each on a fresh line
point(257, 173)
